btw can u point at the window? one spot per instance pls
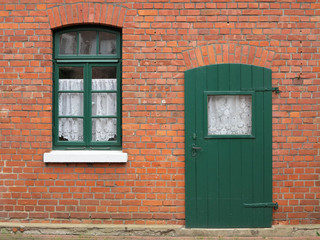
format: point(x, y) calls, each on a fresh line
point(87, 89)
point(229, 114)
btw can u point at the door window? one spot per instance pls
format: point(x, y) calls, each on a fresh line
point(229, 114)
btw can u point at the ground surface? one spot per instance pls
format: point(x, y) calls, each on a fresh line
point(65, 237)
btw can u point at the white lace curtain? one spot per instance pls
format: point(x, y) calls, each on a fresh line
point(103, 104)
point(229, 114)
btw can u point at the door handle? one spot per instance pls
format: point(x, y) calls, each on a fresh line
point(194, 150)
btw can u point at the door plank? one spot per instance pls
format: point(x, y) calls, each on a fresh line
point(235, 77)
point(247, 154)
point(258, 161)
point(190, 172)
point(213, 159)
point(224, 183)
point(201, 165)
point(224, 157)
point(236, 183)
point(223, 77)
point(267, 145)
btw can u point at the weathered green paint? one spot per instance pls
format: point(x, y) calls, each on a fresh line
point(228, 171)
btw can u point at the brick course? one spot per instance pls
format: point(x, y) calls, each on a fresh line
point(160, 41)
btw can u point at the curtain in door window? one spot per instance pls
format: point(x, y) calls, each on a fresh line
point(229, 114)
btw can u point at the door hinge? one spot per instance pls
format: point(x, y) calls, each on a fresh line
point(274, 89)
point(262, 205)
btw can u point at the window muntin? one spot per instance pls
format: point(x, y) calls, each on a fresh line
point(87, 113)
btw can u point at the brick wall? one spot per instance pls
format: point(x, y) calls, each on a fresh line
point(161, 40)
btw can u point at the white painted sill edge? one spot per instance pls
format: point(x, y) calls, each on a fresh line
point(61, 156)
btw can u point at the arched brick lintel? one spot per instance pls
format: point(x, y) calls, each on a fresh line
point(80, 13)
point(228, 53)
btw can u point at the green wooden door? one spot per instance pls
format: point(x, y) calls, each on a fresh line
point(228, 167)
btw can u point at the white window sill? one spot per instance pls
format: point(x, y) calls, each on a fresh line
point(61, 156)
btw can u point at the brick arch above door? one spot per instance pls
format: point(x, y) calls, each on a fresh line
point(84, 13)
point(228, 53)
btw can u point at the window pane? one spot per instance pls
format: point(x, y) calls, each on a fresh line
point(71, 84)
point(104, 104)
point(70, 72)
point(71, 78)
point(107, 43)
point(88, 43)
point(70, 104)
point(104, 129)
point(70, 129)
point(104, 72)
point(229, 114)
point(104, 78)
point(68, 43)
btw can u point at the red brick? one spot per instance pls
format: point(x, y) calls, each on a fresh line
point(63, 14)
point(75, 14)
point(80, 12)
point(69, 14)
point(91, 12)
point(51, 18)
point(56, 16)
point(85, 11)
point(121, 17)
point(147, 12)
point(115, 16)
point(109, 14)
point(103, 13)
point(199, 57)
point(97, 12)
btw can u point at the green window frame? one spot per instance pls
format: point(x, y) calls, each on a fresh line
point(86, 64)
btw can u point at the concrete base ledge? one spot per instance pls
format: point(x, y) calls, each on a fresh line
point(155, 230)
